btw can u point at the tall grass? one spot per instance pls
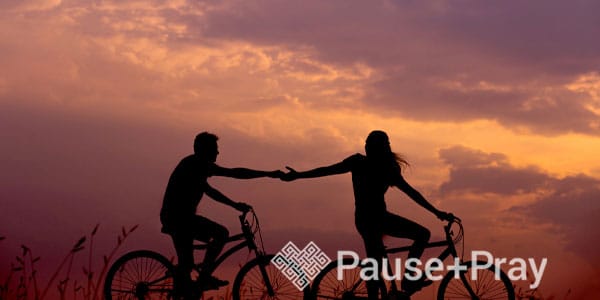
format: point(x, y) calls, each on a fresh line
point(21, 280)
point(535, 294)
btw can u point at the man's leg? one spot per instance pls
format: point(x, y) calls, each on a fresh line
point(215, 235)
point(185, 257)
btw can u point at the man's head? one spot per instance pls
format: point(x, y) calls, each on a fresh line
point(205, 146)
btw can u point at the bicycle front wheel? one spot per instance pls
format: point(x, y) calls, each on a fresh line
point(327, 285)
point(138, 275)
point(260, 279)
point(484, 285)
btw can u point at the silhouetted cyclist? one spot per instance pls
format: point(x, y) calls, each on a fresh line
point(187, 184)
point(372, 175)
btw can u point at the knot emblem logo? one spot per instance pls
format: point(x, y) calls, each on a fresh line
point(300, 266)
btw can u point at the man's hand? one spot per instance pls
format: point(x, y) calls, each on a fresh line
point(290, 175)
point(243, 207)
point(276, 174)
point(445, 216)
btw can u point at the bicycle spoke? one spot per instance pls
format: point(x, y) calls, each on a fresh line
point(485, 286)
point(140, 274)
point(253, 285)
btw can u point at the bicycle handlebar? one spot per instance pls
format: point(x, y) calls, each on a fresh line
point(243, 216)
point(454, 219)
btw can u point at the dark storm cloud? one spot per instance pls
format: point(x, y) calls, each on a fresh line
point(479, 172)
point(572, 203)
point(535, 29)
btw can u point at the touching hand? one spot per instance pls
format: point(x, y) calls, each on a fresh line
point(290, 175)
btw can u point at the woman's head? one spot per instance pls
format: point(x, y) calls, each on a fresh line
point(377, 147)
point(377, 144)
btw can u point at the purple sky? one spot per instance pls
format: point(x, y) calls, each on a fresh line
point(495, 104)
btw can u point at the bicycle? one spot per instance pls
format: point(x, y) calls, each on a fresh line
point(145, 274)
point(327, 286)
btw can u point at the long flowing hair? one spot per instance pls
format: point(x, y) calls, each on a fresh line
point(379, 150)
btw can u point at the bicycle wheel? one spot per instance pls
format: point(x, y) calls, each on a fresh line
point(250, 283)
point(139, 274)
point(486, 287)
point(328, 286)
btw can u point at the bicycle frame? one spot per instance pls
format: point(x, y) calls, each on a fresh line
point(154, 274)
point(449, 251)
point(449, 243)
point(247, 238)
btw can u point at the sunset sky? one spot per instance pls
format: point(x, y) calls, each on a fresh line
point(495, 104)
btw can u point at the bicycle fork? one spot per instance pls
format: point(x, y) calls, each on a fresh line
point(464, 280)
point(265, 276)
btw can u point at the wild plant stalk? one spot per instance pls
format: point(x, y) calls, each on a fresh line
point(32, 279)
point(5, 288)
point(76, 248)
point(23, 286)
point(27, 281)
point(107, 259)
point(89, 271)
point(76, 288)
point(63, 284)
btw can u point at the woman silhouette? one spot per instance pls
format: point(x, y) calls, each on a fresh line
point(372, 175)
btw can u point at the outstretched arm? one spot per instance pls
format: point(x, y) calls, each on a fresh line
point(244, 173)
point(334, 169)
point(419, 199)
point(219, 197)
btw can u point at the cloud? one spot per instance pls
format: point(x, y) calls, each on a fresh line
point(31, 5)
point(421, 61)
point(465, 61)
point(479, 172)
point(572, 204)
point(569, 204)
point(100, 99)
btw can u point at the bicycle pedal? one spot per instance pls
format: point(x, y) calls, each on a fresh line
point(424, 284)
point(415, 286)
point(398, 296)
point(212, 283)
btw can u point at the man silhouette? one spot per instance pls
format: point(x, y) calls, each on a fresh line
point(187, 184)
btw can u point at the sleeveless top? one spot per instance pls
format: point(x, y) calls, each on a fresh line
point(370, 182)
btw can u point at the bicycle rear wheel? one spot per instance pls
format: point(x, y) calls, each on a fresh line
point(485, 287)
point(250, 282)
point(327, 286)
point(138, 275)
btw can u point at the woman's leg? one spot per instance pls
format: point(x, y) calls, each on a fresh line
point(376, 250)
point(401, 227)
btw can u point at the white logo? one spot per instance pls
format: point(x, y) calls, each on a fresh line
point(300, 266)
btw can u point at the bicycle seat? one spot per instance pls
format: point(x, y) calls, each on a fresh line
point(200, 245)
point(197, 244)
